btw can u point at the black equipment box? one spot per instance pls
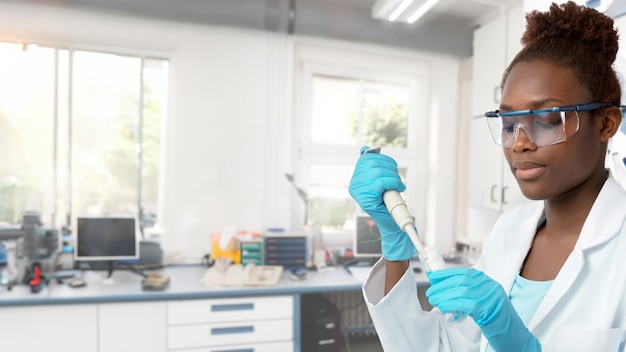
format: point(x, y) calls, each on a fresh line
point(320, 324)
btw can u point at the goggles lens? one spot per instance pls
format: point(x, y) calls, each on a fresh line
point(543, 129)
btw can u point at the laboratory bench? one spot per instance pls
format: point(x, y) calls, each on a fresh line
point(117, 315)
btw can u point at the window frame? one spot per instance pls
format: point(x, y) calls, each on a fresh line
point(312, 59)
point(67, 120)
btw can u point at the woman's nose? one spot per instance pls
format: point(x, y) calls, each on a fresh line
point(522, 140)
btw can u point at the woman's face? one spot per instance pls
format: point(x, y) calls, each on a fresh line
point(556, 170)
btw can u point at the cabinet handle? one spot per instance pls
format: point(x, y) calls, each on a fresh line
point(232, 330)
point(493, 197)
point(231, 307)
point(326, 342)
point(237, 350)
point(503, 195)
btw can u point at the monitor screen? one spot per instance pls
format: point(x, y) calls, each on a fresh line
point(106, 238)
point(367, 238)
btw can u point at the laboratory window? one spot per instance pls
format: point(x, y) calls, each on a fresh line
point(343, 104)
point(80, 133)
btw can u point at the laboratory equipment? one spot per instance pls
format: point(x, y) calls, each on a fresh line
point(302, 194)
point(285, 248)
point(108, 239)
point(252, 251)
point(155, 282)
point(31, 250)
point(367, 240)
point(430, 257)
point(320, 324)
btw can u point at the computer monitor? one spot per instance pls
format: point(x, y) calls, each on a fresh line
point(367, 240)
point(106, 239)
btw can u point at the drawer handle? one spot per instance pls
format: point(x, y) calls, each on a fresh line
point(326, 342)
point(230, 307)
point(238, 350)
point(233, 330)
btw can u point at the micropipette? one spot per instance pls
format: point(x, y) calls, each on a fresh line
point(430, 257)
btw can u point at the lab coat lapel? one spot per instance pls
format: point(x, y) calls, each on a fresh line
point(602, 223)
point(564, 280)
point(511, 261)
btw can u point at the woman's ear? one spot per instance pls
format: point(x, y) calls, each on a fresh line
point(611, 119)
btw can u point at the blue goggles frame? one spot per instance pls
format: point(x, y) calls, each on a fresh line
point(568, 108)
point(541, 137)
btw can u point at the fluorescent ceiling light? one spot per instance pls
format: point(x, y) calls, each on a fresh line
point(385, 9)
point(421, 10)
point(401, 10)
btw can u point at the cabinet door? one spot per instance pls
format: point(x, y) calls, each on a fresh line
point(257, 347)
point(516, 24)
point(485, 162)
point(485, 157)
point(50, 328)
point(510, 193)
point(490, 50)
point(132, 327)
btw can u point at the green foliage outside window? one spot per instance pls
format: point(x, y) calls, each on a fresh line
point(330, 212)
point(383, 124)
point(13, 193)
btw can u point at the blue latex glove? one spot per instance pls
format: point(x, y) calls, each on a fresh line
point(374, 174)
point(471, 292)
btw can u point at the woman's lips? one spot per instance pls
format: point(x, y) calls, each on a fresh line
point(527, 170)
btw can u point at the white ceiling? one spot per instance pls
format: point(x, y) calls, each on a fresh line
point(447, 28)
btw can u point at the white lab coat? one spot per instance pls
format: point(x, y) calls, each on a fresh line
point(584, 309)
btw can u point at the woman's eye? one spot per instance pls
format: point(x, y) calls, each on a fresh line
point(508, 128)
point(548, 120)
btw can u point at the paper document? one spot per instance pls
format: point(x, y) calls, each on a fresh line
point(360, 273)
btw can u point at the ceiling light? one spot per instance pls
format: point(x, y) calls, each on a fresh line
point(401, 10)
point(398, 11)
point(421, 10)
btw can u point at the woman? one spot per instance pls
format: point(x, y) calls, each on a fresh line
point(552, 273)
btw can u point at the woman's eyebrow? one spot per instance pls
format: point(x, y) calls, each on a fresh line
point(534, 105)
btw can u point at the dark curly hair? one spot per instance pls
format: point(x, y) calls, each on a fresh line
point(577, 37)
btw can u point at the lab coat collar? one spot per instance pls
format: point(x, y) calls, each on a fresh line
point(520, 240)
point(603, 223)
point(605, 217)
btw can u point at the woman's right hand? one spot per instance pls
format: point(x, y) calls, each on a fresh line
point(374, 174)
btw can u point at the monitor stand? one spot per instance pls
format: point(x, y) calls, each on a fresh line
point(110, 268)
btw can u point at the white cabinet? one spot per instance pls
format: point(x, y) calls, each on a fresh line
point(491, 186)
point(259, 324)
point(489, 63)
point(132, 327)
point(231, 324)
point(50, 328)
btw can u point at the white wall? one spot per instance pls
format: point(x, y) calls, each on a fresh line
point(228, 139)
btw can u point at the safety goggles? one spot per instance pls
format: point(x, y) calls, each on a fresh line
point(543, 127)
